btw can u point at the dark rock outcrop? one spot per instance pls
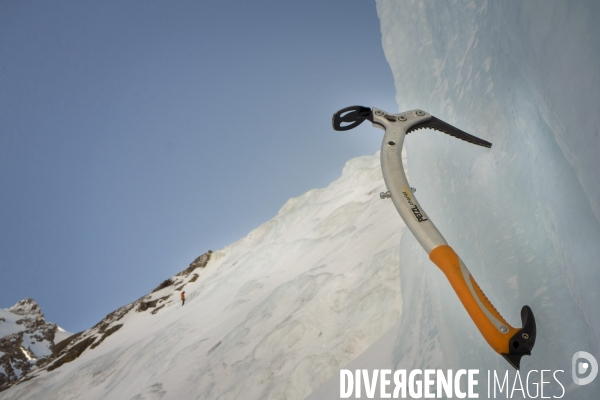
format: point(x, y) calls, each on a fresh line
point(17, 358)
point(73, 347)
point(27, 307)
point(199, 262)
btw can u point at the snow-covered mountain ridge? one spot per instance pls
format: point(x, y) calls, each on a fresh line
point(26, 340)
point(56, 347)
point(271, 316)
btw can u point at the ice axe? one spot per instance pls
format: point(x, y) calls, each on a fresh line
point(511, 343)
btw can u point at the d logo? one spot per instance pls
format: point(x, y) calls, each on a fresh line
point(582, 368)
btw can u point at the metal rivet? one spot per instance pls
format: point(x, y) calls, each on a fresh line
point(412, 189)
point(379, 112)
point(525, 336)
point(503, 329)
point(391, 143)
point(402, 118)
point(420, 113)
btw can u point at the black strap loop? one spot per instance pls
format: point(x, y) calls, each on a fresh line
point(352, 116)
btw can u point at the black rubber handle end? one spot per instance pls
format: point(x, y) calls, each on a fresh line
point(523, 341)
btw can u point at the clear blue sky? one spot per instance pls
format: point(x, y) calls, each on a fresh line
point(137, 135)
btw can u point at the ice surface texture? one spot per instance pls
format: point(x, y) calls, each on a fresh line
point(524, 216)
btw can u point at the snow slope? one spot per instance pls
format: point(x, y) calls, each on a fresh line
point(271, 316)
point(8, 322)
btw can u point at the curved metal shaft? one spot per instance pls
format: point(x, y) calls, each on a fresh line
point(395, 179)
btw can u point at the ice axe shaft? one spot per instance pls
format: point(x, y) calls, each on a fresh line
point(512, 343)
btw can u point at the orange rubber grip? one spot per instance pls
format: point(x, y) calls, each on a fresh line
point(447, 260)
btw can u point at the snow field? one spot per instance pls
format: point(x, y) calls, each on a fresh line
point(271, 316)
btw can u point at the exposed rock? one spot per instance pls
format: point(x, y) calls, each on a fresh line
point(199, 262)
point(166, 283)
point(112, 317)
point(27, 307)
point(157, 309)
point(18, 359)
point(72, 353)
point(144, 305)
point(107, 334)
point(31, 323)
point(15, 360)
point(60, 346)
point(74, 346)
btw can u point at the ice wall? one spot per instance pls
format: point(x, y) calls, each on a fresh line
point(524, 216)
